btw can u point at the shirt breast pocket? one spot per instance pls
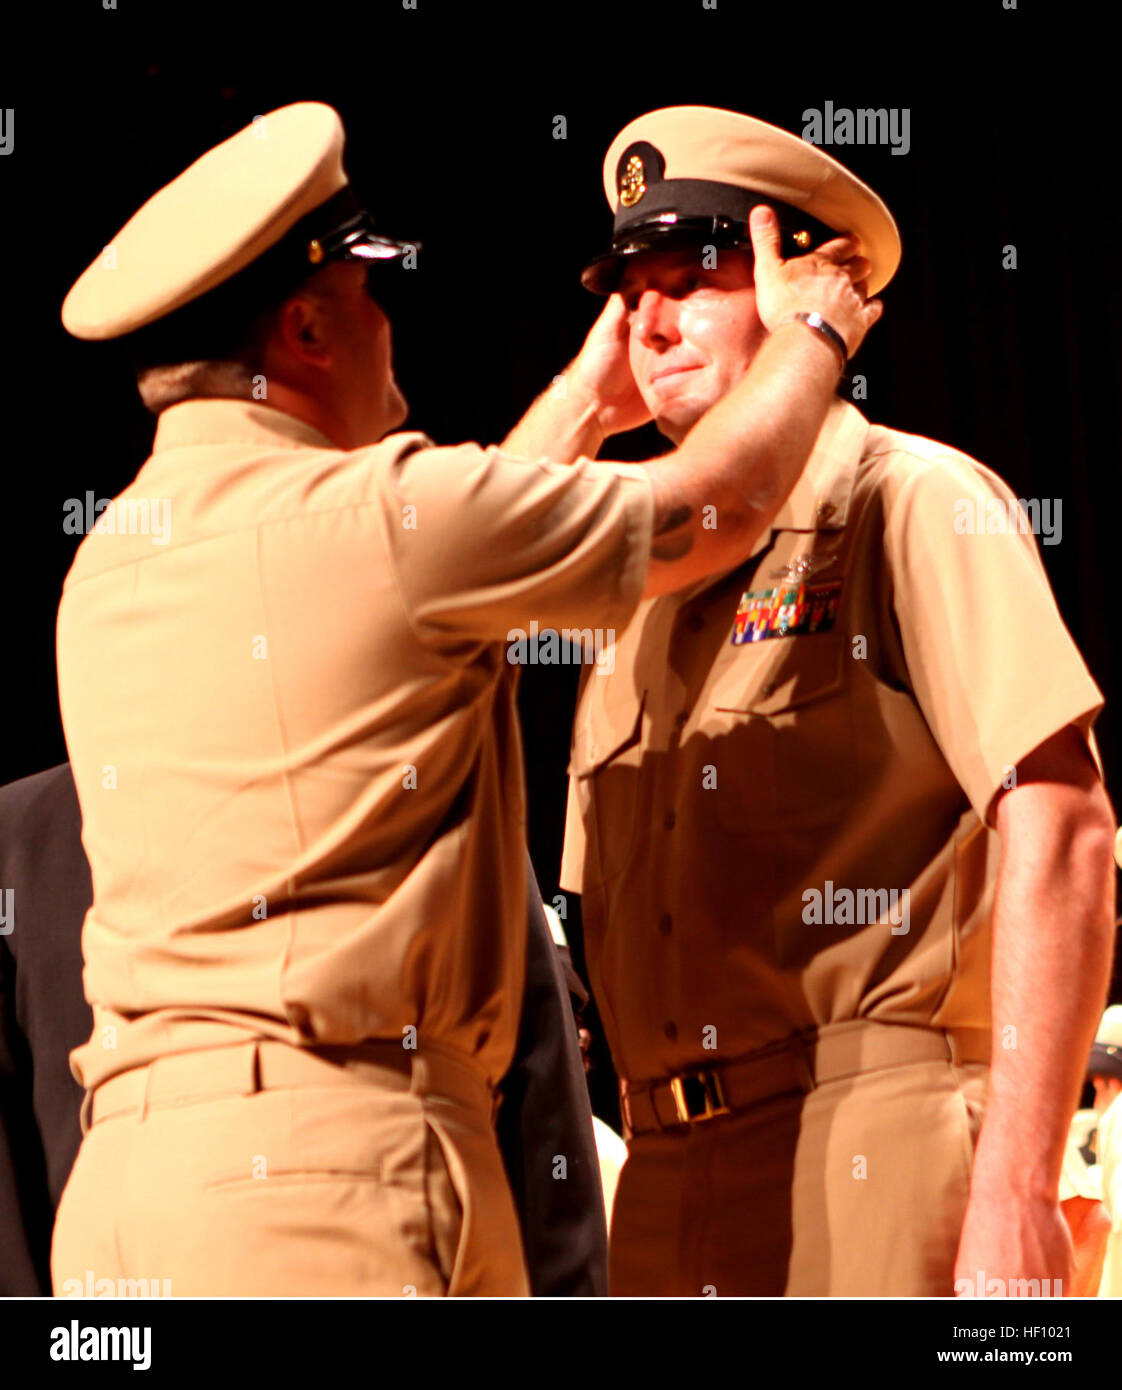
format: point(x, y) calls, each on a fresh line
point(606, 758)
point(785, 731)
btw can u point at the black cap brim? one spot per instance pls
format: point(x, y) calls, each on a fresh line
point(603, 274)
point(672, 231)
point(1105, 1060)
point(370, 246)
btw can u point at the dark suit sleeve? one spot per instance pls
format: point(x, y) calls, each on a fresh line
point(546, 1116)
point(43, 1015)
point(26, 1215)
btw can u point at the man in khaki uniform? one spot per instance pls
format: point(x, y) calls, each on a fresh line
point(292, 728)
point(789, 801)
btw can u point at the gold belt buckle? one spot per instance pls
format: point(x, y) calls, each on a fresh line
point(698, 1096)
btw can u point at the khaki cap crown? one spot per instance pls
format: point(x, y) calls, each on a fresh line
point(682, 165)
point(222, 213)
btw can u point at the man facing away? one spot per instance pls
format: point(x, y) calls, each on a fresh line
point(293, 733)
point(45, 882)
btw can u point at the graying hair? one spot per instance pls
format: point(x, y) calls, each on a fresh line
point(170, 383)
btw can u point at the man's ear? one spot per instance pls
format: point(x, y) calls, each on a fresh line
point(302, 330)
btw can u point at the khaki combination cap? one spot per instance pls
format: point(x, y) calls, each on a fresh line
point(1106, 1050)
point(276, 189)
point(690, 174)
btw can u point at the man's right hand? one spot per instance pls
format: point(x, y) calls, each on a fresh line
point(829, 281)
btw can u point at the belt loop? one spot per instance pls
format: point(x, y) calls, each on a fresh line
point(85, 1112)
point(254, 1068)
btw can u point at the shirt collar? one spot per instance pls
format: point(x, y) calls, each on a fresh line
point(233, 422)
point(820, 498)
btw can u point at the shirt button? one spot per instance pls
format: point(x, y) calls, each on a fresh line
point(681, 719)
point(669, 820)
point(671, 1032)
point(768, 688)
point(665, 922)
point(695, 622)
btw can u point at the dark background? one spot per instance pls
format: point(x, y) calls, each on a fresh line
point(450, 112)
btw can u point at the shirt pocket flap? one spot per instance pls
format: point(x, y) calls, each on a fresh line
point(608, 725)
point(799, 671)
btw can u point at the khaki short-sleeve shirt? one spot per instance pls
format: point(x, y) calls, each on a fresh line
point(781, 799)
point(291, 720)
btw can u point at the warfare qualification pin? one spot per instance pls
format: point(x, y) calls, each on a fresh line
point(631, 185)
point(797, 569)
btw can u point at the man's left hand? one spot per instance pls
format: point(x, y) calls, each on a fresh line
point(1009, 1239)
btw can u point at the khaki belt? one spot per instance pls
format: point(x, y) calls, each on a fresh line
point(798, 1063)
point(267, 1065)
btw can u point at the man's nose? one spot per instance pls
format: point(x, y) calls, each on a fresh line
point(655, 319)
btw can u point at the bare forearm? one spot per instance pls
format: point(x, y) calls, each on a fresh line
point(562, 425)
point(720, 489)
point(1052, 937)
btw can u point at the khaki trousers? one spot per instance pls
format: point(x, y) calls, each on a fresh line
point(266, 1170)
point(856, 1188)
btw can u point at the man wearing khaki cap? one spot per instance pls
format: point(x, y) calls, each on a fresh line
point(292, 729)
point(789, 801)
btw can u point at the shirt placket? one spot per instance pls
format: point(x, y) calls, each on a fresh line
point(678, 674)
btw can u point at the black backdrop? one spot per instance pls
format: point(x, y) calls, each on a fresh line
point(450, 109)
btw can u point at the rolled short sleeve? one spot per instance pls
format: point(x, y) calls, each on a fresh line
point(989, 659)
point(484, 543)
